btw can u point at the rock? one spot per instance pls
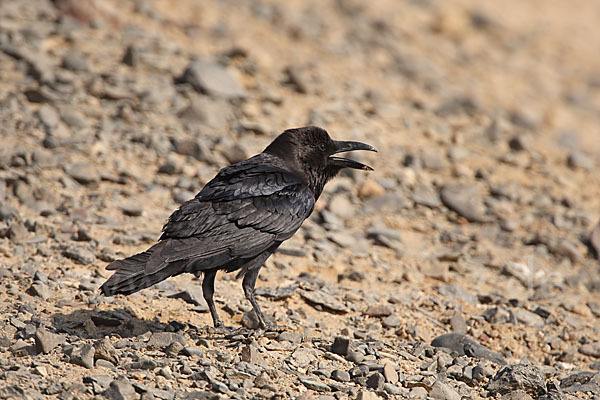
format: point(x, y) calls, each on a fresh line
point(83, 356)
point(528, 378)
point(39, 289)
point(315, 385)
point(104, 350)
point(433, 159)
point(393, 321)
point(340, 375)
point(79, 254)
point(465, 200)
point(458, 324)
point(8, 213)
point(583, 381)
point(370, 188)
point(121, 389)
point(213, 79)
point(426, 195)
point(591, 349)
point(594, 239)
point(250, 354)
point(378, 310)
point(132, 210)
point(326, 301)
point(529, 318)
point(84, 173)
point(17, 233)
point(194, 148)
point(375, 381)
point(389, 373)
point(442, 391)
point(456, 292)
point(235, 153)
point(355, 356)
point(367, 395)
point(132, 56)
point(161, 340)
point(517, 395)
point(192, 295)
point(464, 345)
point(75, 61)
point(48, 117)
point(45, 340)
point(341, 206)
point(577, 159)
point(341, 345)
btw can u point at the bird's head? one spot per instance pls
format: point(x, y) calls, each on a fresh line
point(311, 152)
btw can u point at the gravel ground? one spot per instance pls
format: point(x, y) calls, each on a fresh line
point(464, 266)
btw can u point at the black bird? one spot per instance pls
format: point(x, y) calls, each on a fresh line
point(240, 217)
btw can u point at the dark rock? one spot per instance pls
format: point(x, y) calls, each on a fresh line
point(465, 200)
point(341, 345)
point(213, 79)
point(132, 210)
point(375, 381)
point(132, 56)
point(39, 289)
point(250, 354)
point(194, 148)
point(528, 378)
point(45, 340)
point(583, 381)
point(464, 345)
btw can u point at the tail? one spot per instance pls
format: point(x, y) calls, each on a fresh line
point(131, 276)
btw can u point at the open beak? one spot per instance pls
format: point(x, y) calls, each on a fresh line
point(341, 147)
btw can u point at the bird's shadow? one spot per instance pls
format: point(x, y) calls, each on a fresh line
point(95, 324)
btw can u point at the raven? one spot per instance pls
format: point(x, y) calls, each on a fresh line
point(240, 217)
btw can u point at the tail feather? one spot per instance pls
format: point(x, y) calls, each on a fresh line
point(131, 276)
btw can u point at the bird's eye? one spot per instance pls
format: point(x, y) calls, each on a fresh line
point(322, 146)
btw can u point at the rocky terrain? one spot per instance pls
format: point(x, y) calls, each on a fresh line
point(464, 266)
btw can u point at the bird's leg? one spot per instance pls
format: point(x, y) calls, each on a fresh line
point(248, 286)
point(208, 289)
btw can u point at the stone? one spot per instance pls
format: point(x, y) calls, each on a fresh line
point(324, 300)
point(315, 385)
point(17, 232)
point(40, 290)
point(378, 310)
point(83, 356)
point(442, 391)
point(340, 375)
point(529, 318)
point(48, 117)
point(79, 254)
point(577, 159)
point(375, 381)
point(121, 389)
point(84, 173)
point(46, 341)
point(161, 340)
point(355, 356)
point(192, 295)
point(594, 239)
point(389, 373)
point(341, 206)
point(509, 378)
point(465, 200)
point(132, 210)
point(370, 188)
point(104, 350)
point(367, 395)
point(456, 292)
point(464, 345)
point(341, 345)
point(393, 321)
point(591, 349)
point(7, 212)
point(213, 79)
point(250, 354)
point(75, 60)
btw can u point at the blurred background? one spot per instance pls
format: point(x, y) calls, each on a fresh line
point(482, 209)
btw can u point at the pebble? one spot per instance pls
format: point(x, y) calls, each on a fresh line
point(456, 292)
point(324, 300)
point(389, 373)
point(121, 389)
point(591, 349)
point(465, 200)
point(378, 310)
point(104, 350)
point(192, 295)
point(463, 344)
point(75, 61)
point(528, 378)
point(340, 375)
point(341, 206)
point(392, 321)
point(581, 160)
point(48, 117)
point(79, 254)
point(375, 381)
point(161, 340)
point(213, 79)
point(370, 188)
point(442, 391)
point(84, 173)
point(133, 210)
point(46, 341)
point(83, 356)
